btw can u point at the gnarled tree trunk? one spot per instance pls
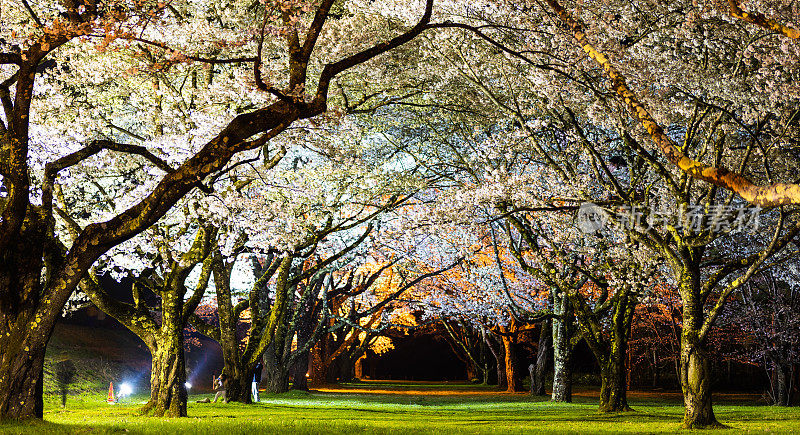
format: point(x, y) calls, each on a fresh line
point(695, 368)
point(168, 395)
point(26, 322)
point(696, 386)
point(613, 389)
point(21, 377)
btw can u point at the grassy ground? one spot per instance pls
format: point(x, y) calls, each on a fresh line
point(403, 408)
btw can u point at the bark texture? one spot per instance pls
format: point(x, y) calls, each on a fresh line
point(562, 351)
point(513, 375)
point(695, 374)
point(540, 367)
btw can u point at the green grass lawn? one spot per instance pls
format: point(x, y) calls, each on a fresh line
point(402, 408)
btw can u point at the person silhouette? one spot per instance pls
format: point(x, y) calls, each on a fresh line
point(220, 385)
point(257, 379)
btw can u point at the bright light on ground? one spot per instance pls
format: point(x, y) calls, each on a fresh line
point(125, 389)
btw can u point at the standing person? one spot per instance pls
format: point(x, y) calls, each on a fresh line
point(257, 379)
point(220, 385)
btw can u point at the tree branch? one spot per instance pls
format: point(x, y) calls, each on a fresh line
point(766, 196)
point(32, 13)
point(332, 69)
point(760, 20)
point(53, 168)
point(10, 58)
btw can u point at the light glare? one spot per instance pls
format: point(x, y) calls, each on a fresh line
point(125, 389)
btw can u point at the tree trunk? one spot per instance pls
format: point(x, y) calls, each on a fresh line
point(562, 352)
point(25, 323)
point(300, 372)
point(21, 381)
point(345, 368)
point(655, 368)
point(497, 352)
point(238, 371)
point(484, 362)
point(277, 375)
point(539, 370)
point(613, 366)
point(472, 371)
point(613, 389)
point(317, 368)
point(168, 395)
point(167, 380)
point(305, 331)
point(782, 389)
point(513, 383)
point(695, 368)
point(239, 387)
point(277, 379)
point(502, 380)
point(696, 386)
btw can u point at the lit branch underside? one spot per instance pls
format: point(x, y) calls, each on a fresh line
point(766, 196)
point(762, 21)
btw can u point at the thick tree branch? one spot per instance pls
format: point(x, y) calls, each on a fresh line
point(138, 321)
point(765, 196)
point(53, 168)
point(760, 20)
point(10, 58)
point(315, 28)
point(331, 70)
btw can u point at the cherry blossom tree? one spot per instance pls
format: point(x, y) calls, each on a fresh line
point(316, 212)
point(693, 70)
point(770, 195)
point(767, 310)
point(160, 325)
point(138, 39)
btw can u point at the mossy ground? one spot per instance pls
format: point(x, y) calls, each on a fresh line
point(404, 408)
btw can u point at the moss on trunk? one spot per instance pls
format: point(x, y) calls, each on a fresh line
point(562, 351)
point(21, 381)
point(695, 370)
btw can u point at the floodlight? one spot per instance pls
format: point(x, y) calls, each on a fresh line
point(125, 389)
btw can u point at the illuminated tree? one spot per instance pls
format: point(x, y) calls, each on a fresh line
point(125, 33)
